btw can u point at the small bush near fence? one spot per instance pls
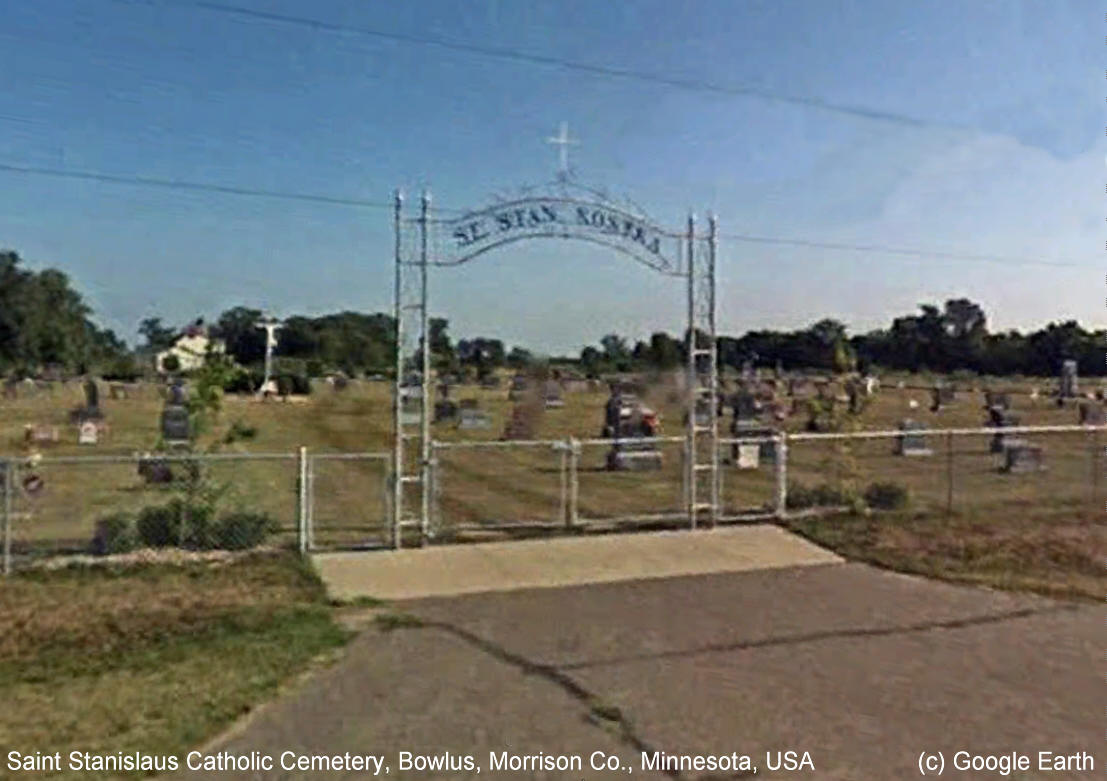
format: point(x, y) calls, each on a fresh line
point(878, 496)
point(180, 523)
point(886, 496)
point(114, 534)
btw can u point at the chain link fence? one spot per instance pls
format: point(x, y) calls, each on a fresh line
point(96, 505)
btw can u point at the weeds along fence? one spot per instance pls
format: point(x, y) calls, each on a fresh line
point(77, 505)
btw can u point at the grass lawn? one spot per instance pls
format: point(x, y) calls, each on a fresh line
point(155, 658)
point(1044, 524)
point(1054, 553)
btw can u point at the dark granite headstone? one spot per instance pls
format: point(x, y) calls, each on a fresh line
point(552, 395)
point(1092, 414)
point(445, 410)
point(176, 428)
point(1021, 457)
point(999, 417)
point(995, 399)
point(912, 442)
point(155, 471)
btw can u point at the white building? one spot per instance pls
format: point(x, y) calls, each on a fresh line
point(190, 349)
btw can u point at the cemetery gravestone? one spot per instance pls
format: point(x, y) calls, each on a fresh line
point(992, 400)
point(524, 421)
point(628, 422)
point(473, 418)
point(519, 387)
point(747, 456)
point(1001, 418)
point(1021, 457)
point(176, 427)
point(941, 396)
point(912, 442)
point(88, 433)
point(1068, 380)
point(1092, 414)
point(410, 411)
point(117, 391)
point(154, 471)
point(445, 411)
point(39, 434)
point(552, 395)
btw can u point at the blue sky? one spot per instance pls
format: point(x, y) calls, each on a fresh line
point(1011, 162)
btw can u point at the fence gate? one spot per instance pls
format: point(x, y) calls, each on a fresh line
point(562, 209)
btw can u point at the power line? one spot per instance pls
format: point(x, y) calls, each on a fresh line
point(915, 252)
point(515, 55)
point(332, 200)
point(180, 184)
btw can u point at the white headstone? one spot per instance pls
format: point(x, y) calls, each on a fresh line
point(88, 433)
point(749, 456)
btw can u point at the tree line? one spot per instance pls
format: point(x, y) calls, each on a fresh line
point(46, 324)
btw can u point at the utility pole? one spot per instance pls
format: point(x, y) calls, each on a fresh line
point(271, 326)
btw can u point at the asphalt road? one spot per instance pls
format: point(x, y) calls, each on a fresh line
point(860, 668)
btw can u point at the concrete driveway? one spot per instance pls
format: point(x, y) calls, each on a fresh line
point(861, 669)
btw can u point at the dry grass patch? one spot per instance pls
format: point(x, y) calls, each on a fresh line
point(152, 658)
point(1045, 550)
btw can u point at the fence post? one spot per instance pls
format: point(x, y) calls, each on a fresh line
point(949, 473)
point(302, 497)
point(781, 465)
point(574, 482)
point(1095, 473)
point(563, 482)
point(9, 482)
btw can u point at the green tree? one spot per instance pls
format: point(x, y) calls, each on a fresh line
point(158, 336)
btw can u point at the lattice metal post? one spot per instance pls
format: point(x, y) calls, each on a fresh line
point(434, 488)
point(713, 366)
point(397, 395)
point(425, 420)
point(690, 379)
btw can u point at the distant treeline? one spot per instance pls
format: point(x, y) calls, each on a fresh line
point(45, 325)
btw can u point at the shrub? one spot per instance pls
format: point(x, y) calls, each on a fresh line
point(243, 381)
point(114, 534)
point(314, 368)
point(240, 430)
point(160, 526)
point(800, 497)
point(886, 496)
point(122, 369)
point(243, 529)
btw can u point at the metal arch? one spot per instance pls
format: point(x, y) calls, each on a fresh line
point(701, 442)
point(665, 269)
point(602, 202)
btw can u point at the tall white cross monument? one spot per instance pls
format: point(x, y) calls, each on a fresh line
point(271, 326)
point(563, 142)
